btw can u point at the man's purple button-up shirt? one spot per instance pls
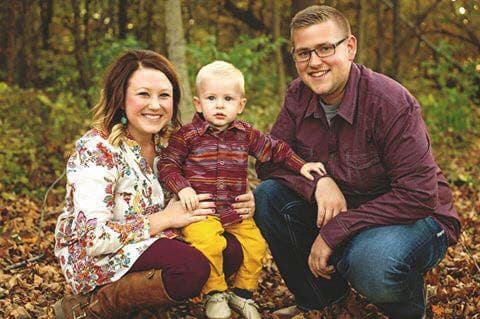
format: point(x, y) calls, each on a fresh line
point(376, 149)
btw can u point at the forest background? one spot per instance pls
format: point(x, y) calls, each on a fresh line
point(52, 57)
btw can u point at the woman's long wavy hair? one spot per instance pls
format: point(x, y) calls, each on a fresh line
point(110, 108)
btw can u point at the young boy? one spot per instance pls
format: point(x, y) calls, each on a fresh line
point(210, 155)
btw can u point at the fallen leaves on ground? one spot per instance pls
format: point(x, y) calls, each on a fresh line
point(29, 288)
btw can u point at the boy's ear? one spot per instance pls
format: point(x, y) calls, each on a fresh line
point(198, 106)
point(243, 102)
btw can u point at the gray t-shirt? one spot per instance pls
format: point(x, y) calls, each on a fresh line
point(330, 110)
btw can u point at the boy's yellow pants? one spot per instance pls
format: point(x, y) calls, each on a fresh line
point(207, 236)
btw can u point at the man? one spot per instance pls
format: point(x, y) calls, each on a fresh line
point(385, 215)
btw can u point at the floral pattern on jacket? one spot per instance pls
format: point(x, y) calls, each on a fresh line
point(103, 228)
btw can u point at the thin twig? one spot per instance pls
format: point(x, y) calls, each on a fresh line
point(24, 262)
point(40, 231)
point(42, 211)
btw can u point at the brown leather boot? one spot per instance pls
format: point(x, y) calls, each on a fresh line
point(120, 299)
point(73, 307)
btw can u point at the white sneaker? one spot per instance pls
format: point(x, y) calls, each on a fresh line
point(216, 306)
point(245, 307)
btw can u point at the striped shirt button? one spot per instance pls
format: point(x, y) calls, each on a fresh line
point(221, 186)
point(222, 163)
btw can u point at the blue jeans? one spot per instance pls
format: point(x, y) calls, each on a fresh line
point(385, 264)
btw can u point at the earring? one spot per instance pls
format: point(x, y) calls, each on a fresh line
point(123, 119)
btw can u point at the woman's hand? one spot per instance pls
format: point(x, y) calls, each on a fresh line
point(330, 201)
point(245, 205)
point(175, 216)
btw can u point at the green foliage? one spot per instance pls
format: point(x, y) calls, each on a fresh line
point(450, 102)
point(104, 54)
point(35, 132)
point(252, 56)
point(59, 72)
point(39, 127)
point(450, 98)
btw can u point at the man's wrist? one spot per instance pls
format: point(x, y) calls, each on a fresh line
point(315, 184)
point(319, 177)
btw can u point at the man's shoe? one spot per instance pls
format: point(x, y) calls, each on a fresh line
point(216, 306)
point(288, 312)
point(245, 307)
point(293, 312)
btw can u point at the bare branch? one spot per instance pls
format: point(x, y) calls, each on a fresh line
point(246, 16)
point(425, 40)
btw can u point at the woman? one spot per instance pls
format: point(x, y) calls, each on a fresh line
point(116, 240)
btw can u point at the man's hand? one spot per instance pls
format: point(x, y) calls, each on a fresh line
point(318, 259)
point(188, 198)
point(330, 200)
point(308, 168)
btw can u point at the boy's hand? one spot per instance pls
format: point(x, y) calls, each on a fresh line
point(188, 198)
point(316, 167)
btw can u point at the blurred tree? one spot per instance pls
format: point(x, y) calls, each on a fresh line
point(80, 47)
point(362, 31)
point(122, 19)
point(298, 5)
point(379, 47)
point(11, 9)
point(277, 23)
point(246, 15)
point(176, 53)
point(46, 13)
point(395, 39)
point(58, 50)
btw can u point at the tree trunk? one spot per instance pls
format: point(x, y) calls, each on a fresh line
point(23, 62)
point(395, 43)
point(83, 79)
point(11, 51)
point(3, 35)
point(361, 31)
point(176, 53)
point(379, 47)
point(86, 29)
point(122, 19)
point(277, 23)
point(149, 24)
point(298, 5)
point(46, 12)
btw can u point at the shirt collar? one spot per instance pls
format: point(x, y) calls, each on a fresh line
point(202, 126)
point(347, 106)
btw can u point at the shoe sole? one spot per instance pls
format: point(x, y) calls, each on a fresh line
point(58, 310)
point(239, 312)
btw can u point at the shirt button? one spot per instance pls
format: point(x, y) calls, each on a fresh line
point(222, 163)
point(221, 186)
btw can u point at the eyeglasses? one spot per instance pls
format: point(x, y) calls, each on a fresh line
point(322, 51)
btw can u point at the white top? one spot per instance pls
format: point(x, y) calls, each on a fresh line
point(103, 228)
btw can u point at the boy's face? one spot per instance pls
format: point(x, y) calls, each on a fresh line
point(220, 100)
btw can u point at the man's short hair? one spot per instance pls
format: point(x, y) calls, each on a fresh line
point(317, 14)
point(220, 69)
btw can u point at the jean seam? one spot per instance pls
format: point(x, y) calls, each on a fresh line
point(431, 238)
point(311, 283)
point(434, 238)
